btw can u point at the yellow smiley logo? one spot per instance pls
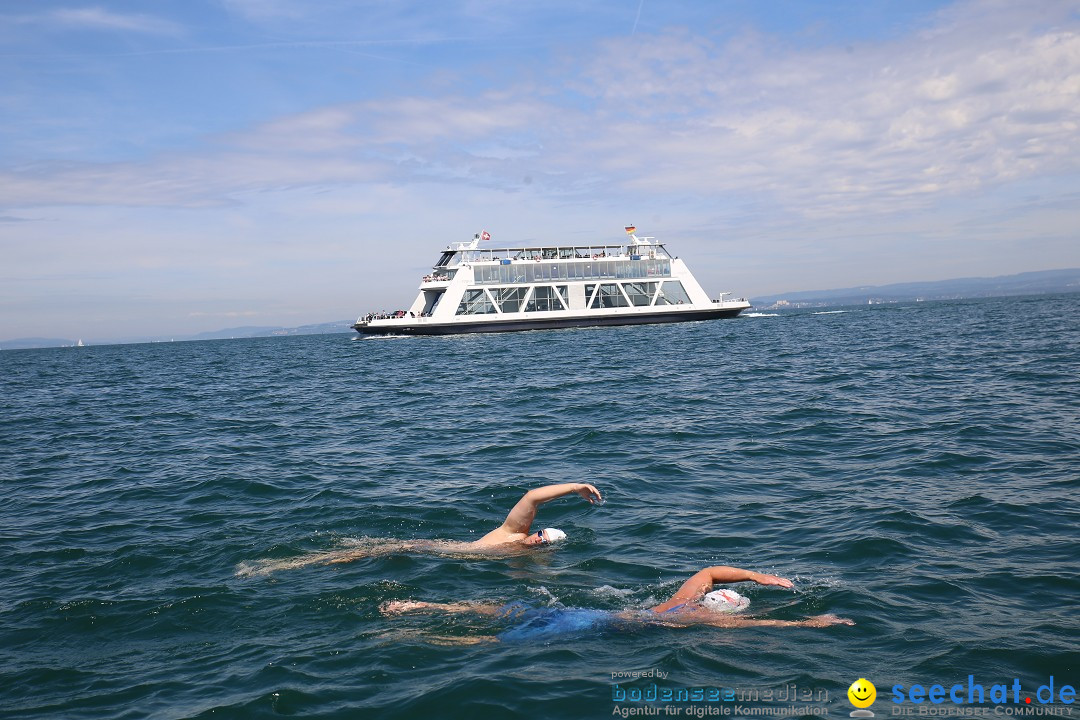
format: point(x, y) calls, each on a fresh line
point(862, 693)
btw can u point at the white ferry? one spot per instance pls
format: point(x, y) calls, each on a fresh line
point(552, 286)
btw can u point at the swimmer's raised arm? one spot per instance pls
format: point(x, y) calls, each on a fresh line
point(725, 574)
point(522, 515)
point(702, 582)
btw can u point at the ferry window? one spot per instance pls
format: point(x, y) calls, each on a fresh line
point(609, 296)
point(431, 300)
point(445, 258)
point(672, 293)
point(544, 298)
point(640, 293)
point(587, 270)
point(509, 299)
point(476, 302)
point(589, 295)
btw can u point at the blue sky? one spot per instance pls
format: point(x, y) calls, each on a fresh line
point(185, 165)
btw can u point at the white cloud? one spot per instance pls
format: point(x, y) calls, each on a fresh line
point(818, 132)
point(265, 9)
point(96, 18)
point(824, 131)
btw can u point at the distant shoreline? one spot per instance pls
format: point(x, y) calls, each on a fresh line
point(1042, 282)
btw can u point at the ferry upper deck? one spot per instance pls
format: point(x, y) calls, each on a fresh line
point(465, 253)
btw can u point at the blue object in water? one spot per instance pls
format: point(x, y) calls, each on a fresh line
point(544, 623)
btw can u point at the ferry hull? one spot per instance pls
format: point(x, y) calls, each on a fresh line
point(494, 326)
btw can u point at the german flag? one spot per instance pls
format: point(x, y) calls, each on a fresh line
point(630, 229)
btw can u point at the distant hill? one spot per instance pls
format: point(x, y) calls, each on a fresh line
point(269, 331)
point(1029, 283)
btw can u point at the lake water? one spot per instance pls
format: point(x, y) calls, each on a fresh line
point(915, 468)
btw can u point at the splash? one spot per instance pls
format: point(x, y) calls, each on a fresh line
point(609, 591)
point(552, 599)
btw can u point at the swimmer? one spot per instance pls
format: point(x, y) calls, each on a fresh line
point(513, 535)
point(695, 603)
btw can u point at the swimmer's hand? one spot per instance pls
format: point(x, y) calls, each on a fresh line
point(762, 579)
point(589, 493)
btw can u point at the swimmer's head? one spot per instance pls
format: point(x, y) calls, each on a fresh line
point(725, 601)
point(545, 536)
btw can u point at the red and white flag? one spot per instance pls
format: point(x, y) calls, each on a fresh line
point(485, 236)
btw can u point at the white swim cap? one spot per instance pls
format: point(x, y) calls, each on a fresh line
point(554, 534)
point(725, 601)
